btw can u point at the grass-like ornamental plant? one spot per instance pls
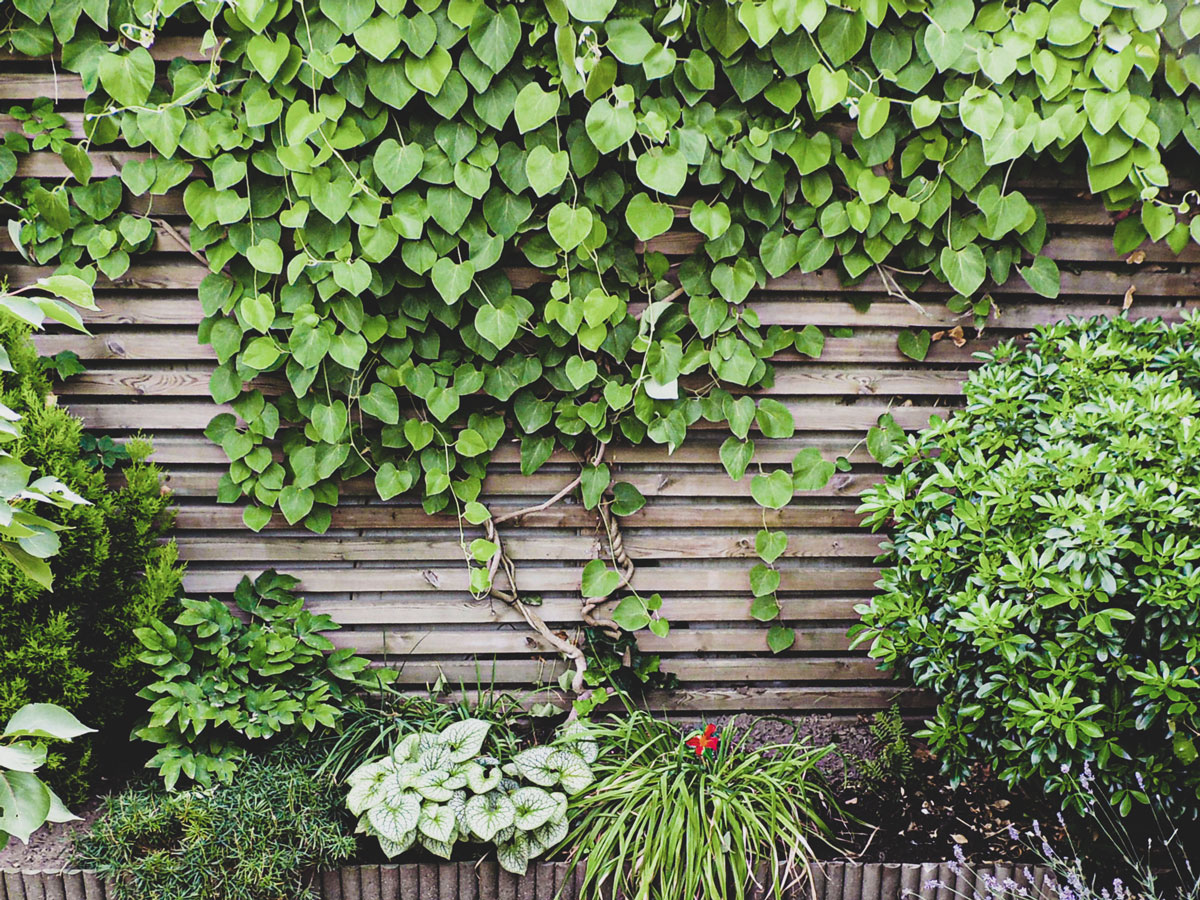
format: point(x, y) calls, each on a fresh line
point(439, 788)
point(1042, 577)
point(674, 819)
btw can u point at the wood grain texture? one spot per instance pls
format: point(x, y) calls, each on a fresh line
point(484, 880)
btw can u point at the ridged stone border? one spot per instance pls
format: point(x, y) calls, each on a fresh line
point(548, 881)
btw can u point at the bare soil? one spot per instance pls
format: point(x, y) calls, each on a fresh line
point(50, 847)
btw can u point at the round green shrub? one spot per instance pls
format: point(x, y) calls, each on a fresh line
point(1041, 578)
point(75, 646)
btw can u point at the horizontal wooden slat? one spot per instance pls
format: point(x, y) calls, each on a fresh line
point(778, 308)
point(810, 415)
point(691, 513)
point(385, 610)
point(164, 49)
point(699, 449)
point(485, 642)
point(203, 484)
point(639, 545)
point(702, 671)
point(698, 578)
point(1093, 283)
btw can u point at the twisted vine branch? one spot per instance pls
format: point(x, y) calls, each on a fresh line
point(500, 560)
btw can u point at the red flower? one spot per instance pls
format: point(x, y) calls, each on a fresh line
point(706, 741)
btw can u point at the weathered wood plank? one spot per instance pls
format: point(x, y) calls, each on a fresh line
point(701, 578)
point(386, 608)
point(419, 671)
point(810, 415)
point(640, 546)
point(1094, 283)
point(685, 516)
point(164, 49)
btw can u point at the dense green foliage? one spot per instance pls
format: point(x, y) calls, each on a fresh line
point(259, 838)
point(27, 539)
point(75, 646)
point(226, 682)
point(430, 218)
point(1042, 577)
point(669, 820)
point(438, 788)
point(26, 802)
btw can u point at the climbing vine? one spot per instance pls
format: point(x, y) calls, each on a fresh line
point(435, 220)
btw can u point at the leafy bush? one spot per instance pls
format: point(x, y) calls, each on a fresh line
point(670, 819)
point(224, 682)
point(258, 838)
point(26, 803)
point(1042, 576)
point(439, 788)
point(113, 572)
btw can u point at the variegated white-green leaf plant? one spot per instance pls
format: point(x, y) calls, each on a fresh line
point(440, 788)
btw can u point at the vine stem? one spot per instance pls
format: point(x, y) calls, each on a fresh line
point(179, 239)
point(500, 559)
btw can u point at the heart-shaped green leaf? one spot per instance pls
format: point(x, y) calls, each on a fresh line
point(569, 225)
point(267, 55)
point(451, 279)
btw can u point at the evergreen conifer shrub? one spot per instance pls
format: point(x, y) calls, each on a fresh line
point(75, 646)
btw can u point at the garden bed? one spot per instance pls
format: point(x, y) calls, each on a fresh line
point(558, 881)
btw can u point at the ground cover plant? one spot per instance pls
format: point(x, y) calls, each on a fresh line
point(1041, 578)
point(260, 837)
point(431, 220)
point(439, 788)
point(673, 816)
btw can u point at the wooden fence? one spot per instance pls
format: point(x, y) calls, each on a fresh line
point(559, 881)
point(394, 577)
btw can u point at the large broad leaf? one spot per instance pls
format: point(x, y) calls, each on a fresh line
point(773, 491)
point(532, 806)
point(965, 269)
point(609, 126)
point(513, 854)
point(599, 580)
point(395, 820)
point(391, 849)
point(127, 77)
point(24, 804)
point(45, 720)
point(533, 764)
point(486, 814)
point(465, 739)
point(573, 773)
point(494, 36)
point(437, 822)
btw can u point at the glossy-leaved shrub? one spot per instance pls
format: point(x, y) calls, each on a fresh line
point(113, 572)
point(1042, 576)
